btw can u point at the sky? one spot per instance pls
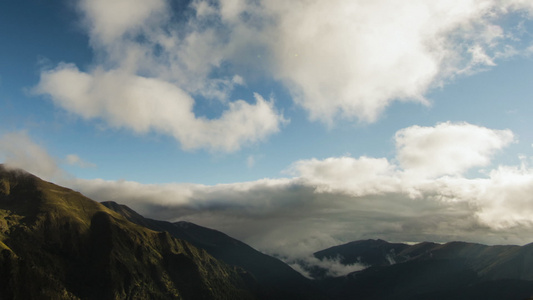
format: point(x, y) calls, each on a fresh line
point(291, 125)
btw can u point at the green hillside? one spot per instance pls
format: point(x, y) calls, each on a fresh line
point(57, 244)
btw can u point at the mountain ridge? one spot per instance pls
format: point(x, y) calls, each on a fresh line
point(276, 279)
point(58, 244)
point(433, 271)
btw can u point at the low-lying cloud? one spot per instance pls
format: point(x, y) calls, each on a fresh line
point(339, 199)
point(331, 267)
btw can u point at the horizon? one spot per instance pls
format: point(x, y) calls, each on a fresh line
point(290, 126)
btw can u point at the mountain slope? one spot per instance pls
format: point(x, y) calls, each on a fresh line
point(276, 279)
point(367, 252)
point(57, 244)
point(455, 270)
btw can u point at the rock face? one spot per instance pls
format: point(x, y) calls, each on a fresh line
point(275, 279)
point(57, 244)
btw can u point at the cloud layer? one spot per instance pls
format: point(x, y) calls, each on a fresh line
point(154, 64)
point(345, 198)
point(337, 199)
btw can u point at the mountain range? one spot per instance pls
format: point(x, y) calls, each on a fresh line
point(454, 270)
point(56, 243)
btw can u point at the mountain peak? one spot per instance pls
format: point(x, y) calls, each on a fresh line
point(56, 243)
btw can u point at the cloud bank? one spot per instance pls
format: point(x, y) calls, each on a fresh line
point(339, 199)
point(154, 63)
point(345, 198)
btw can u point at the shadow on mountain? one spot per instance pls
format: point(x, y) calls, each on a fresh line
point(276, 280)
point(455, 270)
point(57, 244)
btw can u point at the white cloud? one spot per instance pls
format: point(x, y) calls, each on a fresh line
point(338, 58)
point(110, 20)
point(290, 218)
point(149, 104)
point(448, 148)
point(505, 200)
point(17, 150)
point(148, 73)
point(333, 267)
point(361, 176)
point(231, 9)
point(353, 58)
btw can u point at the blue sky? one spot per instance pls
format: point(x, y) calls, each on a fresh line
point(224, 111)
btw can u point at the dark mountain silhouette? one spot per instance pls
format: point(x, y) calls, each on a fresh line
point(57, 244)
point(275, 278)
point(367, 252)
point(455, 270)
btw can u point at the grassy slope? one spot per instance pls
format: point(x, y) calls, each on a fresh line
point(57, 244)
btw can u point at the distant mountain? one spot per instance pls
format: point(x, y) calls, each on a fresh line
point(57, 244)
point(455, 270)
point(367, 252)
point(276, 280)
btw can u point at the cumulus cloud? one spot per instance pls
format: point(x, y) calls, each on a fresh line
point(359, 176)
point(505, 199)
point(109, 21)
point(338, 58)
point(353, 58)
point(448, 148)
point(147, 75)
point(148, 104)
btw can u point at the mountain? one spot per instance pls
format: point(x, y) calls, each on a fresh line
point(57, 244)
point(276, 280)
point(455, 270)
point(367, 252)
